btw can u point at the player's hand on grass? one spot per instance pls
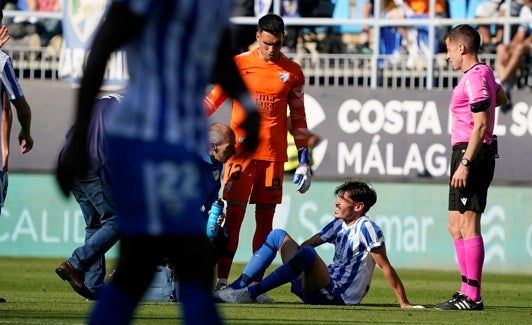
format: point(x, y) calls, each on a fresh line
point(412, 306)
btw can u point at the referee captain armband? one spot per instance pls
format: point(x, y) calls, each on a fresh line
point(480, 106)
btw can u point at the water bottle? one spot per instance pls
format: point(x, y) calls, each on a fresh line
point(212, 224)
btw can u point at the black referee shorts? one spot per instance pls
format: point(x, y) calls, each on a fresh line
point(473, 197)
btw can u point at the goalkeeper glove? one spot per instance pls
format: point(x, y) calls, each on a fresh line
point(302, 174)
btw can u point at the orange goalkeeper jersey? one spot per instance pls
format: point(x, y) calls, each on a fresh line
point(275, 86)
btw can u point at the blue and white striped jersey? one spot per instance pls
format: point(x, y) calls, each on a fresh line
point(170, 65)
point(9, 83)
point(352, 267)
point(7, 76)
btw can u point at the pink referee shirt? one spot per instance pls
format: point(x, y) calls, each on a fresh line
point(476, 85)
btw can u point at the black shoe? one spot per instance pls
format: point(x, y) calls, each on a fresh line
point(2, 300)
point(462, 302)
point(454, 298)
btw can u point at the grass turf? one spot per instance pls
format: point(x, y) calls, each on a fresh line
point(36, 295)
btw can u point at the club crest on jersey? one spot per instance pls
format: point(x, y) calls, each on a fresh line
point(216, 174)
point(283, 76)
point(84, 17)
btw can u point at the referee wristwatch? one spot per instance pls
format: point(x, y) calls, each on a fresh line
point(466, 162)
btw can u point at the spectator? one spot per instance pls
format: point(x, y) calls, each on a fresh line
point(512, 55)
point(8, 5)
point(395, 9)
point(414, 38)
point(290, 8)
point(85, 270)
point(366, 12)
point(47, 28)
point(243, 35)
point(257, 178)
point(399, 9)
point(156, 137)
point(494, 9)
point(421, 9)
point(40, 32)
point(358, 245)
point(22, 27)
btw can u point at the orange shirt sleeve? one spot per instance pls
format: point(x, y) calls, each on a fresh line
point(298, 116)
point(214, 100)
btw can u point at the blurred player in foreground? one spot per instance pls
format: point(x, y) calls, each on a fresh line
point(156, 138)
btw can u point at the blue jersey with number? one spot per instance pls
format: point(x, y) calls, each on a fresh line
point(157, 134)
point(170, 64)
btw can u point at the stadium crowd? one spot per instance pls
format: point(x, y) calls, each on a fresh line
point(38, 37)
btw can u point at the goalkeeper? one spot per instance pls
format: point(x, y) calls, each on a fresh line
point(257, 178)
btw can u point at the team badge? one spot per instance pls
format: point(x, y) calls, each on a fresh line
point(84, 17)
point(81, 19)
point(216, 174)
point(276, 183)
point(283, 76)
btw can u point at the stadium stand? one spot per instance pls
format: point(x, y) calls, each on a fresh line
point(321, 69)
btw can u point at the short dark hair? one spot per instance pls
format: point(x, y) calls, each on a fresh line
point(467, 34)
point(359, 192)
point(272, 24)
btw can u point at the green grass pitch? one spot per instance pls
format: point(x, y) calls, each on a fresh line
point(36, 295)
